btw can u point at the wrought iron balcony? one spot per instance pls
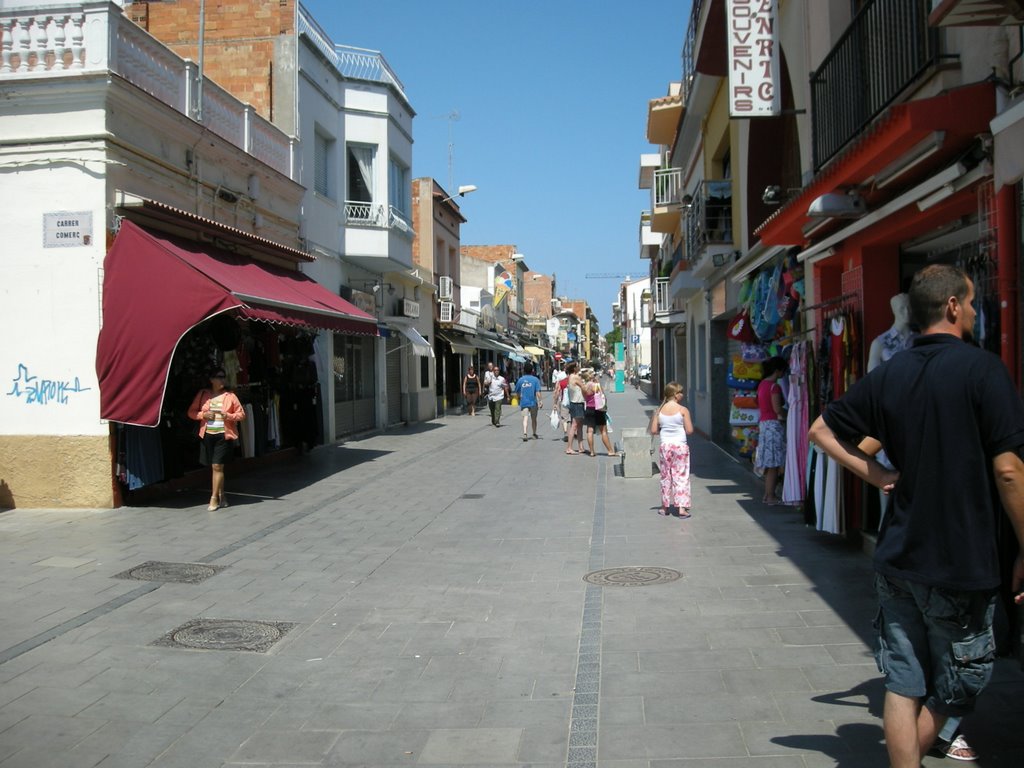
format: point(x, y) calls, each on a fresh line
point(709, 218)
point(690, 49)
point(887, 46)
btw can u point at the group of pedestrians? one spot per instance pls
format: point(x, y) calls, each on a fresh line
point(582, 409)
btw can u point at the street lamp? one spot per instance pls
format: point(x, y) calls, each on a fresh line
point(463, 191)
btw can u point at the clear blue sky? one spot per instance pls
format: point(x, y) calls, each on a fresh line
point(552, 98)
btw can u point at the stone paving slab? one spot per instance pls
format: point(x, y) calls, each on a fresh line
point(434, 576)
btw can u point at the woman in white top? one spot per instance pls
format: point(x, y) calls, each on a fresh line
point(672, 422)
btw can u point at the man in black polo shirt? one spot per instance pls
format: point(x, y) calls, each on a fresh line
point(952, 424)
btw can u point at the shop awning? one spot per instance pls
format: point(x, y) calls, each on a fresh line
point(536, 351)
point(461, 345)
point(155, 289)
point(420, 346)
point(906, 135)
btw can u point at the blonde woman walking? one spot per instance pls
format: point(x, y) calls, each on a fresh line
point(673, 423)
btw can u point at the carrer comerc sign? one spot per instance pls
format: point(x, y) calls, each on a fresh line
point(752, 38)
point(67, 229)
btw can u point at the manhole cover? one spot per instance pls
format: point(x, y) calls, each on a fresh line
point(179, 573)
point(472, 495)
point(632, 576)
point(226, 635)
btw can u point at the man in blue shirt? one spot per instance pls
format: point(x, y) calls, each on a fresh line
point(528, 390)
point(952, 425)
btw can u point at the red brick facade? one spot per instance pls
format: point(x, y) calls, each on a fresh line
point(238, 41)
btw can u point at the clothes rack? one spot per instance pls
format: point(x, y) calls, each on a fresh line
point(830, 302)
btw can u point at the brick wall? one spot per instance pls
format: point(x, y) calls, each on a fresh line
point(489, 253)
point(537, 294)
point(238, 44)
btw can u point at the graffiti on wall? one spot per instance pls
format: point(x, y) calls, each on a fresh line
point(36, 391)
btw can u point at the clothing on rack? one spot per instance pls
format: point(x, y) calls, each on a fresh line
point(794, 480)
point(143, 456)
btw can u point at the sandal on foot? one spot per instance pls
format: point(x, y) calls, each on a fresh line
point(571, 452)
point(663, 512)
point(959, 749)
point(213, 506)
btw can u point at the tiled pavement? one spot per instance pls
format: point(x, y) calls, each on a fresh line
point(434, 580)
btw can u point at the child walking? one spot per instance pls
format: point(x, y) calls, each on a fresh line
point(672, 421)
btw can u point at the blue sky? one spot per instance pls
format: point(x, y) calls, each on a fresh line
point(552, 101)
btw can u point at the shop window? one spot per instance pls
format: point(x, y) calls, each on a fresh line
point(353, 368)
point(424, 372)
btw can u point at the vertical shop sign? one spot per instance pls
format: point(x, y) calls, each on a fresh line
point(752, 39)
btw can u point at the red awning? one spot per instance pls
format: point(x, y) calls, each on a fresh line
point(155, 289)
point(963, 113)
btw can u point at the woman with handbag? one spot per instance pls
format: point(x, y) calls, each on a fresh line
point(595, 414)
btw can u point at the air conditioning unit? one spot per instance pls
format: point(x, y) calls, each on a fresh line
point(444, 288)
point(447, 310)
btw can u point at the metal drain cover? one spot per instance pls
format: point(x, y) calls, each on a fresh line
point(178, 573)
point(632, 576)
point(226, 635)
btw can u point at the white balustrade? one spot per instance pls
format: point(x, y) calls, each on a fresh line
point(66, 40)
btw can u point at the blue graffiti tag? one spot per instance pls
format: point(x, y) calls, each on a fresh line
point(43, 391)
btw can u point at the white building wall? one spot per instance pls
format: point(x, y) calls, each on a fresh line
point(50, 297)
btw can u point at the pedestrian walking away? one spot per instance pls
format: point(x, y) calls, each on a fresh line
point(528, 391)
point(218, 412)
point(471, 389)
point(497, 391)
point(595, 412)
point(952, 425)
point(672, 422)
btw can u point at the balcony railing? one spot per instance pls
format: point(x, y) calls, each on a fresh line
point(356, 63)
point(365, 214)
point(887, 46)
point(668, 186)
point(709, 218)
point(689, 49)
point(400, 221)
point(66, 40)
point(662, 300)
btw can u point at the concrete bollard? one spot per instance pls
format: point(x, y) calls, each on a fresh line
point(636, 448)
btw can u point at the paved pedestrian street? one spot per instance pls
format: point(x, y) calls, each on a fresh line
point(417, 598)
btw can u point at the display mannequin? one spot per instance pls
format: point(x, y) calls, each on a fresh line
point(897, 338)
point(894, 340)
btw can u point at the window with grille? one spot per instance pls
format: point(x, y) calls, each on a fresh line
point(323, 153)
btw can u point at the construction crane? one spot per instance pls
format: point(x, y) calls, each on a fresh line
point(613, 275)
